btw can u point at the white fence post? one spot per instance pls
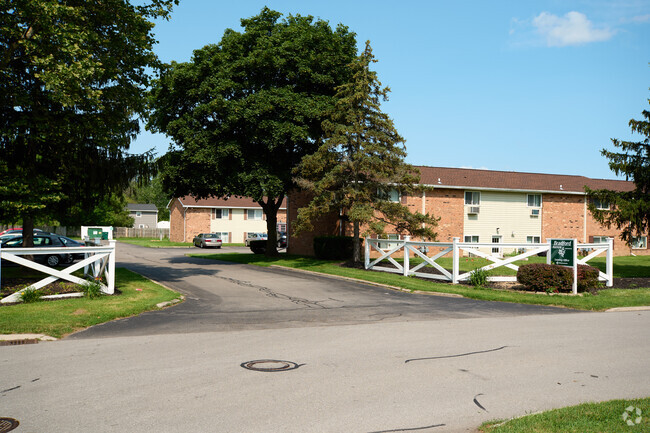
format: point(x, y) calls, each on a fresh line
point(110, 277)
point(455, 261)
point(367, 254)
point(609, 264)
point(548, 253)
point(574, 289)
point(406, 255)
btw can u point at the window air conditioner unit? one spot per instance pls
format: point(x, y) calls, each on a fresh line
point(534, 212)
point(473, 210)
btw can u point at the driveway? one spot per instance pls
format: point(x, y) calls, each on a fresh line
point(224, 296)
point(396, 362)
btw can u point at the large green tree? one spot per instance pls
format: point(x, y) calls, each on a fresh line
point(243, 113)
point(628, 210)
point(360, 166)
point(150, 191)
point(72, 89)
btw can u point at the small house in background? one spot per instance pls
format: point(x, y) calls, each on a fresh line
point(145, 216)
point(232, 218)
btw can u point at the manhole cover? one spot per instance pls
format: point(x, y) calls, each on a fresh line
point(270, 365)
point(8, 424)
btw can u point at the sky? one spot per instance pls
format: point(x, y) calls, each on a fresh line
point(527, 86)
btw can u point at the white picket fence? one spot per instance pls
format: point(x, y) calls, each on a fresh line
point(98, 261)
point(405, 248)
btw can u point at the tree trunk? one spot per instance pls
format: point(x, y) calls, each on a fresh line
point(28, 231)
point(356, 244)
point(271, 211)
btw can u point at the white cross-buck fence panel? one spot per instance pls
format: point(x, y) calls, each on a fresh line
point(406, 248)
point(98, 261)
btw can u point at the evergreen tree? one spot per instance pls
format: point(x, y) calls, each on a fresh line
point(360, 167)
point(628, 210)
point(73, 78)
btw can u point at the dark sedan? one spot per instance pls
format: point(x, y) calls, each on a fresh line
point(48, 240)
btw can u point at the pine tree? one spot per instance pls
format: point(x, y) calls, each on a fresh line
point(628, 210)
point(360, 164)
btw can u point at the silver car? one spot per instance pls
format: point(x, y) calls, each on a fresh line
point(204, 240)
point(255, 237)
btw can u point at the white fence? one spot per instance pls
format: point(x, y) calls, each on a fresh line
point(98, 261)
point(128, 232)
point(404, 249)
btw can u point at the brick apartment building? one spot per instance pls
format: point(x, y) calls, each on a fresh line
point(232, 218)
point(494, 206)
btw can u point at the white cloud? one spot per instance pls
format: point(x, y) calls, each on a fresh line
point(641, 19)
point(572, 29)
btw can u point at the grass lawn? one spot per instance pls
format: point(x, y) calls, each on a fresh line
point(62, 317)
point(606, 417)
point(605, 299)
point(165, 243)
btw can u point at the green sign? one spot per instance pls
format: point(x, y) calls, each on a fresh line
point(562, 252)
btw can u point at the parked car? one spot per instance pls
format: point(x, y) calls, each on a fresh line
point(282, 239)
point(42, 240)
point(255, 237)
point(18, 231)
point(204, 240)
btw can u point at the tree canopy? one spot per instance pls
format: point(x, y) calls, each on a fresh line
point(73, 82)
point(629, 210)
point(360, 166)
point(242, 113)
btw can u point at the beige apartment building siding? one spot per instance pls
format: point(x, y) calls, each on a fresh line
point(502, 215)
point(238, 225)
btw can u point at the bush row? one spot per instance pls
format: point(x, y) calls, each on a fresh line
point(333, 247)
point(541, 277)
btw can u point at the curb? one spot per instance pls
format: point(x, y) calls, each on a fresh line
point(356, 280)
point(19, 337)
point(619, 309)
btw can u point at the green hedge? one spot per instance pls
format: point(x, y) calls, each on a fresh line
point(541, 277)
point(333, 247)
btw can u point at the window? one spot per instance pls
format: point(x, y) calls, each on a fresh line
point(472, 239)
point(534, 200)
point(600, 239)
point(41, 241)
point(602, 205)
point(254, 214)
point(219, 214)
point(472, 198)
point(532, 239)
point(639, 243)
point(391, 195)
point(138, 214)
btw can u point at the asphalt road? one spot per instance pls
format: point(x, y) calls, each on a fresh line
point(222, 296)
point(362, 359)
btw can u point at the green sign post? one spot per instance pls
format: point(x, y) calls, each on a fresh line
point(564, 252)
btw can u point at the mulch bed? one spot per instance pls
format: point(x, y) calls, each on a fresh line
point(11, 285)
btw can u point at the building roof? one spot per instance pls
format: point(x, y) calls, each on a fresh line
point(441, 177)
point(142, 207)
point(223, 202)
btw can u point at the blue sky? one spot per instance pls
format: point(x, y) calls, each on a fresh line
point(502, 85)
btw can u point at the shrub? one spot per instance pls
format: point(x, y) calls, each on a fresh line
point(587, 278)
point(92, 289)
point(542, 277)
point(333, 247)
point(478, 277)
point(31, 295)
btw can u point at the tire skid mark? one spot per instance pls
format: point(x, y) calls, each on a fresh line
point(456, 356)
point(410, 429)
